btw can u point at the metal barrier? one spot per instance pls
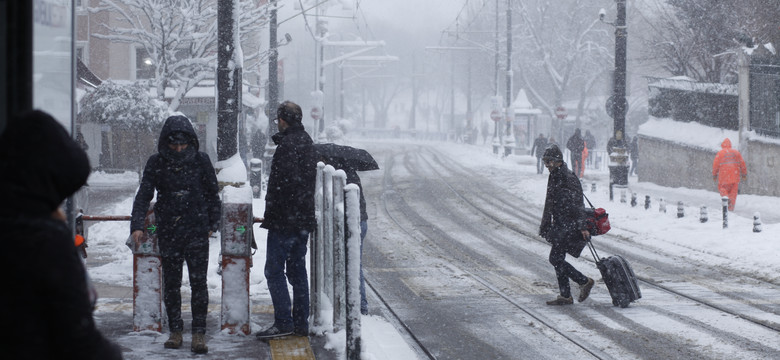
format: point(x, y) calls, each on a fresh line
point(236, 242)
point(147, 270)
point(335, 262)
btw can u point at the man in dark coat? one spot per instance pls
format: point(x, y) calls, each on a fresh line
point(576, 145)
point(46, 301)
point(538, 150)
point(289, 218)
point(563, 225)
point(187, 211)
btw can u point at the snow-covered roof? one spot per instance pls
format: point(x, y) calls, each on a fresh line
point(522, 106)
point(250, 100)
point(687, 84)
point(206, 89)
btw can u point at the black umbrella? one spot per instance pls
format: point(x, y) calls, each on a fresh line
point(346, 157)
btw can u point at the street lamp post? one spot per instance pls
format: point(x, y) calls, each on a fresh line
point(509, 142)
point(228, 84)
point(618, 167)
point(273, 88)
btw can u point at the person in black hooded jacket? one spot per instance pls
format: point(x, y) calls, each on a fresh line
point(45, 297)
point(289, 218)
point(187, 211)
point(563, 225)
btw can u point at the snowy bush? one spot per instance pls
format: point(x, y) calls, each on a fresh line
point(128, 106)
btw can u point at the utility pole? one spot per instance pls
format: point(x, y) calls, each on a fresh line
point(497, 138)
point(618, 167)
point(273, 73)
point(228, 83)
point(509, 143)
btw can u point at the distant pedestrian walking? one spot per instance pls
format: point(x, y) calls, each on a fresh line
point(633, 153)
point(576, 145)
point(563, 226)
point(590, 142)
point(538, 150)
point(188, 210)
point(727, 170)
point(258, 144)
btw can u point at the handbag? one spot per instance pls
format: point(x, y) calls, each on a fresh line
point(596, 219)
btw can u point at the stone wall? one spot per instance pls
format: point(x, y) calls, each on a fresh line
point(672, 164)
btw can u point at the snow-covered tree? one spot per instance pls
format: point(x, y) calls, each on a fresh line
point(128, 106)
point(699, 38)
point(134, 117)
point(562, 51)
point(179, 36)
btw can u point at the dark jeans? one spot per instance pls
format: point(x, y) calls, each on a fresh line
point(196, 253)
point(539, 165)
point(565, 271)
point(288, 249)
point(363, 301)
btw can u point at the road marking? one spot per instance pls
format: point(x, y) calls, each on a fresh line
point(291, 348)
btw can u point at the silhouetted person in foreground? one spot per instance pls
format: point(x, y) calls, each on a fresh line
point(46, 305)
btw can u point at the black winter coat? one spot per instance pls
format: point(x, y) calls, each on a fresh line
point(576, 144)
point(45, 304)
point(564, 212)
point(289, 201)
point(186, 183)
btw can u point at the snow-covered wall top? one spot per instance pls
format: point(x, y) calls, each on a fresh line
point(688, 84)
point(688, 133)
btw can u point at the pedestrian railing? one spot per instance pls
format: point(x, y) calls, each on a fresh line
point(335, 259)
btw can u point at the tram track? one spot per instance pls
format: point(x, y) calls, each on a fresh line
point(643, 279)
point(499, 209)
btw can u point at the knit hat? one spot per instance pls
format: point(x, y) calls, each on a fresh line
point(552, 153)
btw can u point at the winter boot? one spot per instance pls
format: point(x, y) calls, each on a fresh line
point(199, 343)
point(560, 300)
point(174, 341)
point(585, 290)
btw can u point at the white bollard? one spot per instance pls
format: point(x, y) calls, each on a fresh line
point(680, 209)
point(661, 205)
point(725, 201)
point(757, 222)
point(703, 214)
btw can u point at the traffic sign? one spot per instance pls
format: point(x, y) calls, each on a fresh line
point(612, 105)
point(495, 115)
point(561, 113)
point(316, 112)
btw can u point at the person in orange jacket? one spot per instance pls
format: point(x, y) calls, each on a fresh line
point(727, 169)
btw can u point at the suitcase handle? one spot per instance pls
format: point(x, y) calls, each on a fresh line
point(593, 251)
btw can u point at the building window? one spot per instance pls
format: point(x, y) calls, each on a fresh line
point(82, 52)
point(144, 64)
